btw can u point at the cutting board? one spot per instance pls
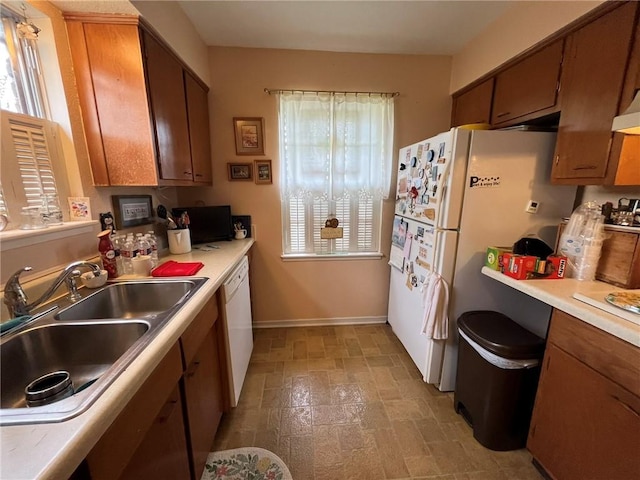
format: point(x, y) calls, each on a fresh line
point(596, 299)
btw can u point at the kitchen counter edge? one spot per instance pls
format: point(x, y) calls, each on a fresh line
point(558, 294)
point(54, 450)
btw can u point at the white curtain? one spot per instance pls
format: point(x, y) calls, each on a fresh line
point(335, 145)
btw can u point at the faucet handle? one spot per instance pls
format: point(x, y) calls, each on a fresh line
point(14, 296)
point(72, 285)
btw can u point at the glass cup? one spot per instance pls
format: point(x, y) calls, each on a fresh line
point(31, 219)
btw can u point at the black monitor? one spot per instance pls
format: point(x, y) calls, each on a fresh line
point(207, 224)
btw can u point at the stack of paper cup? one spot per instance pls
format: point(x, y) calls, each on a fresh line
point(581, 241)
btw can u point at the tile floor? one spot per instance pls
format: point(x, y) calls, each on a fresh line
point(348, 403)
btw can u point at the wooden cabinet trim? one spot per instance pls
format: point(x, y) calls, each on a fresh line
point(614, 358)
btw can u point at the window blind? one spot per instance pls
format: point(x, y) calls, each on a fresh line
point(336, 156)
point(33, 158)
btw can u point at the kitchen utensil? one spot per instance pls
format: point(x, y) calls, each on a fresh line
point(162, 211)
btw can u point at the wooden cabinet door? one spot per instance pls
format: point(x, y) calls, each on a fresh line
point(169, 108)
point(584, 426)
point(593, 72)
point(198, 114)
point(528, 87)
point(203, 394)
point(473, 106)
point(162, 455)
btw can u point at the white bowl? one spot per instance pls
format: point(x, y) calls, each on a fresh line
point(89, 281)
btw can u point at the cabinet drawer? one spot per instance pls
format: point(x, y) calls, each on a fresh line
point(193, 336)
point(612, 357)
point(529, 86)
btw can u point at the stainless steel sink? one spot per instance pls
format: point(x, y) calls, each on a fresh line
point(129, 300)
point(92, 341)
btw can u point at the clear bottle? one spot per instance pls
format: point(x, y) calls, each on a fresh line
point(117, 241)
point(151, 238)
point(143, 246)
point(126, 252)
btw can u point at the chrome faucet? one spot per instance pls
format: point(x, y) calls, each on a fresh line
point(16, 299)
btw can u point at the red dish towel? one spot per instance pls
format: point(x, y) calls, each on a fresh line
point(171, 268)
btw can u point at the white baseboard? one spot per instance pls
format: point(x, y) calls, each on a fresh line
point(320, 322)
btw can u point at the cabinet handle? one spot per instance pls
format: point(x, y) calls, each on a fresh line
point(199, 175)
point(502, 114)
point(557, 158)
point(166, 411)
point(625, 405)
point(585, 167)
point(187, 173)
point(192, 369)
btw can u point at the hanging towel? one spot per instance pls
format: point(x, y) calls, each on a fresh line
point(435, 301)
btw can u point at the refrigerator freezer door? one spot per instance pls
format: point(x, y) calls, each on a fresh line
point(431, 179)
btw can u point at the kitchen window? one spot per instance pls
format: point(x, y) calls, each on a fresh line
point(336, 156)
point(29, 139)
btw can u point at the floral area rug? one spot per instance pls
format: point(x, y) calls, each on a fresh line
point(245, 464)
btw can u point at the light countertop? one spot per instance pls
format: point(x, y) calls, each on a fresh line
point(54, 450)
point(559, 294)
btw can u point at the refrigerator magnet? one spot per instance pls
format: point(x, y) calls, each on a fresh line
point(430, 155)
point(421, 173)
point(419, 154)
point(441, 150)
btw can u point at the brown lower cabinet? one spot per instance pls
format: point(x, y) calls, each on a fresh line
point(586, 419)
point(167, 429)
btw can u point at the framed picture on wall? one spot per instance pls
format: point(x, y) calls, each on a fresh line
point(132, 210)
point(263, 171)
point(239, 171)
point(249, 134)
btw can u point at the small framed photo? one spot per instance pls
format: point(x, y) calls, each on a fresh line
point(249, 133)
point(79, 208)
point(239, 171)
point(132, 210)
point(263, 171)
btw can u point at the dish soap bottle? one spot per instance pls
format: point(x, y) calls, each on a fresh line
point(107, 253)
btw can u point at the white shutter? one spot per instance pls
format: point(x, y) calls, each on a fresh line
point(320, 213)
point(366, 236)
point(297, 226)
point(343, 214)
point(33, 158)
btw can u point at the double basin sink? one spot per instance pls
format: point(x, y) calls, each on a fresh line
point(86, 344)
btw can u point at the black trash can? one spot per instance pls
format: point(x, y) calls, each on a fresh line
point(498, 370)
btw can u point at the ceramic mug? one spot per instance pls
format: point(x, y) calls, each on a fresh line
point(240, 234)
point(179, 240)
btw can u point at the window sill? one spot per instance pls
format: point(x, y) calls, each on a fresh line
point(12, 239)
point(306, 257)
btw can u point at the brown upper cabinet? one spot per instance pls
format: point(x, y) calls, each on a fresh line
point(588, 72)
point(596, 61)
point(145, 114)
point(529, 88)
point(473, 105)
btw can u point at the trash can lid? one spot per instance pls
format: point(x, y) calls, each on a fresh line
point(500, 335)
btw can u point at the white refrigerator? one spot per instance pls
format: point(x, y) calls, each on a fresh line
point(458, 193)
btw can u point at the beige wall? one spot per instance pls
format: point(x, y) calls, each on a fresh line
point(522, 26)
point(312, 289)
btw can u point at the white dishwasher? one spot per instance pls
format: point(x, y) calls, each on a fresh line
point(239, 325)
